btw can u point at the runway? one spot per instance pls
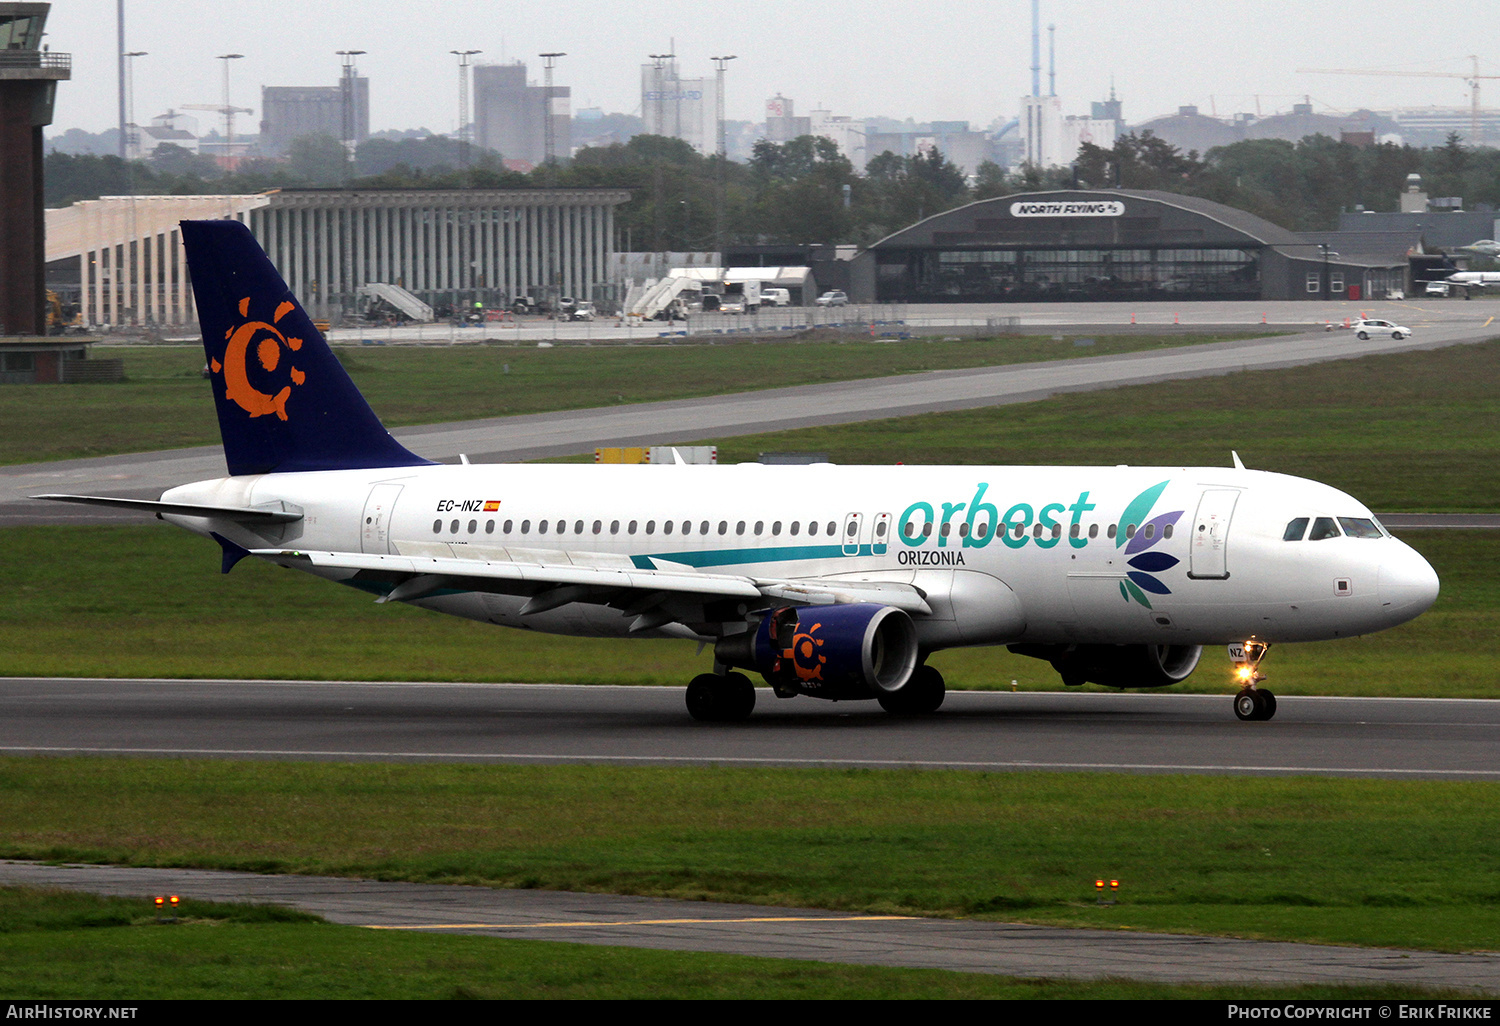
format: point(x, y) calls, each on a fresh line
point(962, 945)
point(1445, 739)
point(511, 439)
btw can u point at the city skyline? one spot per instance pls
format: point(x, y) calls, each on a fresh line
point(862, 61)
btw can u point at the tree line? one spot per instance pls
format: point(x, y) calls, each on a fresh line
point(805, 191)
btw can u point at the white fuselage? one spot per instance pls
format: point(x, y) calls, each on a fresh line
point(1002, 554)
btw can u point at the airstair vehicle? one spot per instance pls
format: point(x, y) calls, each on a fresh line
point(402, 300)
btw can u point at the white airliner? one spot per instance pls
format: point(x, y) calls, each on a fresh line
point(1474, 279)
point(829, 581)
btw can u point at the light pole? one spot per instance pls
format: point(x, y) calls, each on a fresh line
point(722, 148)
point(660, 60)
point(228, 110)
point(463, 103)
point(132, 136)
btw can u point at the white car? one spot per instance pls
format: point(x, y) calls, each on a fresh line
point(1364, 329)
point(1437, 288)
point(834, 298)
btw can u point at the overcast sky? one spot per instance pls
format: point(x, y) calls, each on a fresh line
point(955, 60)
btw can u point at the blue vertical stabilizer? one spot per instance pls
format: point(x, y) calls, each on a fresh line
point(284, 401)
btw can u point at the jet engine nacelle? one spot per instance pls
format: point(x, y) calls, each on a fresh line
point(860, 650)
point(1118, 666)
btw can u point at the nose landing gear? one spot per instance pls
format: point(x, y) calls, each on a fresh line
point(1252, 702)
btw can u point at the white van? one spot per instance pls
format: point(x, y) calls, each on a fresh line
point(775, 297)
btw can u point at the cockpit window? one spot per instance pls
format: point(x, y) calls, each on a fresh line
point(1295, 530)
point(1323, 527)
point(1359, 527)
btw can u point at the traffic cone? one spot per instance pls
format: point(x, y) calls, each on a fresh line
point(1262, 318)
point(1175, 320)
point(1132, 318)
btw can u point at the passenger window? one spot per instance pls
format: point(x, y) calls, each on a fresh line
point(760, 526)
point(776, 528)
point(473, 526)
point(1037, 531)
point(831, 527)
point(508, 525)
point(614, 527)
point(1295, 529)
point(947, 527)
point(489, 527)
point(1359, 527)
point(687, 527)
point(666, 526)
point(1130, 530)
point(979, 529)
point(927, 529)
point(703, 527)
point(541, 527)
point(453, 527)
point(578, 527)
point(1150, 530)
point(963, 529)
point(651, 527)
point(1323, 528)
point(1093, 530)
point(1073, 531)
point(796, 526)
point(1111, 532)
point(598, 526)
point(437, 527)
point(739, 528)
point(723, 527)
point(631, 528)
point(562, 527)
point(812, 528)
point(880, 530)
point(1166, 532)
point(1057, 530)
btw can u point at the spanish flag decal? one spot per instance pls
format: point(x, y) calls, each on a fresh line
point(492, 505)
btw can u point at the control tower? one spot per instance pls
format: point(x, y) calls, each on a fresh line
point(28, 85)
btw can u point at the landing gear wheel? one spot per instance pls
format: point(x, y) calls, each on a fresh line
point(1255, 704)
point(923, 694)
point(712, 698)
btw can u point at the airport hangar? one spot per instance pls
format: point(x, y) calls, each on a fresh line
point(1112, 245)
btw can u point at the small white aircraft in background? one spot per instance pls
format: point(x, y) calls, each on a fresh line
point(1482, 247)
point(1474, 279)
point(831, 582)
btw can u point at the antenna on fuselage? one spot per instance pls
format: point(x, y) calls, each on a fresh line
point(1237, 464)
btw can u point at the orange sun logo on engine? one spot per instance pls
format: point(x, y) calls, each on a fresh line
point(269, 343)
point(807, 661)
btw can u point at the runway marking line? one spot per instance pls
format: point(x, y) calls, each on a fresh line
point(644, 922)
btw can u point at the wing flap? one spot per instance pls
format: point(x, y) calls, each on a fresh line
point(484, 574)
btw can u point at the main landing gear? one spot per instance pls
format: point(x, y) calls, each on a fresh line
point(921, 695)
point(1252, 703)
point(720, 697)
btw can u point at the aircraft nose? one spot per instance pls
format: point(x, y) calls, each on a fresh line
point(1408, 584)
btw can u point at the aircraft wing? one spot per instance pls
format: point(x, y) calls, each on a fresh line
point(654, 596)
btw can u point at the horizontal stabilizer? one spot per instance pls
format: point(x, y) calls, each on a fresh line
point(238, 514)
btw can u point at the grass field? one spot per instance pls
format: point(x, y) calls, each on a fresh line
point(1393, 863)
point(60, 945)
point(165, 402)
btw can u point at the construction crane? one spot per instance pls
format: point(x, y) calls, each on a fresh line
point(1472, 79)
point(225, 110)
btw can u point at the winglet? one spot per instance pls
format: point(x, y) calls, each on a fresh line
point(284, 401)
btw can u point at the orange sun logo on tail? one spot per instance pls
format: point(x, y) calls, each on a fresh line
point(268, 354)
